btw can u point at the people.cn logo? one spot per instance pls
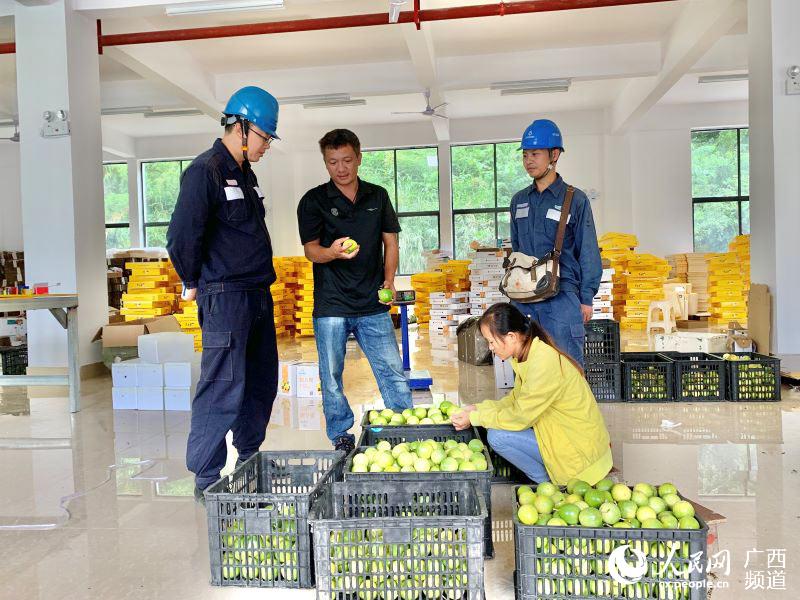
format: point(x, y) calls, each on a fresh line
point(623, 570)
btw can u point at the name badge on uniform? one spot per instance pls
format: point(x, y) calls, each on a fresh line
point(233, 193)
point(232, 182)
point(522, 211)
point(556, 215)
point(259, 192)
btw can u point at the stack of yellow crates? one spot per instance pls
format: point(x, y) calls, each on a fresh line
point(726, 289)
point(679, 268)
point(740, 245)
point(283, 294)
point(304, 308)
point(153, 289)
point(187, 319)
point(616, 250)
point(424, 284)
point(645, 284)
point(456, 275)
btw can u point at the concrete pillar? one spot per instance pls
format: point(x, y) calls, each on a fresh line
point(134, 204)
point(774, 155)
point(446, 234)
point(61, 181)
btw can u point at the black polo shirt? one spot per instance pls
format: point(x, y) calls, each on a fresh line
point(348, 288)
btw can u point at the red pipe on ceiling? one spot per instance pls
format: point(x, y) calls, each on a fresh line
point(366, 20)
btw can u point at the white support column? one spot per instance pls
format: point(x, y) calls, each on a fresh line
point(445, 198)
point(774, 156)
point(134, 204)
point(61, 180)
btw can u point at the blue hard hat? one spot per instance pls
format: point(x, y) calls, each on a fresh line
point(542, 134)
point(257, 106)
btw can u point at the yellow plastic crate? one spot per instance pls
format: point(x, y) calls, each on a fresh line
point(147, 285)
point(146, 312)
point(151, 296)
point(145, 304)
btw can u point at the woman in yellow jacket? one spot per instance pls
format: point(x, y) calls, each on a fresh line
point(549, 426)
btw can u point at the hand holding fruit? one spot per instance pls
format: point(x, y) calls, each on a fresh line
point(344, 248)
point(461, 420)
point(386, 293)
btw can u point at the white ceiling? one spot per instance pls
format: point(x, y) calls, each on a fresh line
point(602, 49)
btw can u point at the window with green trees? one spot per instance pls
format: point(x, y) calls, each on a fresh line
point(720, 187)
point(161, 181)
point(117, 208)
point(485, 177)
point(411, 177)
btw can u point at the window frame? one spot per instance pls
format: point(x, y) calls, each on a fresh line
point(420, 213)
point(143, 204)
point(120, 225)
point(738, 198)
point(496, 211)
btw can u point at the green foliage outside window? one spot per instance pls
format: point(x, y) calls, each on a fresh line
point(160, 187)
point(117, 208)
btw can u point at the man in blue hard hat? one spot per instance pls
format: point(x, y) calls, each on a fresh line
point(221, 248)
point(535, 214)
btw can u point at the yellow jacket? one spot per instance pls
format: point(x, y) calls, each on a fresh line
point(551, 396)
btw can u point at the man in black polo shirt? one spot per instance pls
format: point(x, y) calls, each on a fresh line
point(346, 284)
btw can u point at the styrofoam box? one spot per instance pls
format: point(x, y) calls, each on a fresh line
point(308, 384)
point(503, 374)
point(149, 375)
point(123, 374)
point(167, 346)
point(287, 377)
point(684, 341)
point(124, 398)
point(179, 398)
point(178, 375)
point(150, 398)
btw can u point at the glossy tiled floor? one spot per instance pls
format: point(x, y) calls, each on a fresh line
point(133, 530)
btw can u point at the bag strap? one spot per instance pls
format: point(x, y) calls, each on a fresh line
point(562, 223)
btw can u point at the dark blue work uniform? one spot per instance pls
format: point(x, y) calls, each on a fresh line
point(219, 244)
point(534, 222)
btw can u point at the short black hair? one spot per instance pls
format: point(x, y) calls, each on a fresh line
point(337, 138)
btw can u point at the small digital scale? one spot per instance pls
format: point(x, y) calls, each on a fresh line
point(417, 380)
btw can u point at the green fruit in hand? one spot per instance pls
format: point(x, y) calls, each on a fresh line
point(527, 515)
point(543, 504)
point(628, 509)
point(611, 513)
point(385, 295)
point(604, 485)
point(594, 498)
point(569, 513)
point(590, 517)
point(546, 489)
point(689, 523)
point(666, 489)
point(620, 492)
point(349, 245)
point(683, 509)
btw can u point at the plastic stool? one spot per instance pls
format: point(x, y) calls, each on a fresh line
point(666, 322)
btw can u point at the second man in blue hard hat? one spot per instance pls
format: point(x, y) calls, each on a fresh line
point(535, 214)
point(221, 248)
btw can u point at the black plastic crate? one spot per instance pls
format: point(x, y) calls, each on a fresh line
point(504, 471)
point(601, 344)
point(402, 540)
point(553, 563)
point(648, 377)
point(605, 380)
point(14, 360)
point(755, 380)
point(699, 377)
point(258, 531)
point(483, 479)
point(395, 434)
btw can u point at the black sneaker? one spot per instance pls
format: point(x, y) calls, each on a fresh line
point(345, 444)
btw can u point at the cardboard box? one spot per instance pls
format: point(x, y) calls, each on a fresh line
point(120, 340)
point(308, 383)
point(287, 377)
point(150, 398)
point(124, 398)
point(759, 319)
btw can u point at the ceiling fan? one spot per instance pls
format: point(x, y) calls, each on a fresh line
point(430, 111)
point(13, 138)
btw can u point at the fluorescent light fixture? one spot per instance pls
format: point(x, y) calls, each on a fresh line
point(335, 103)
point(313, 98)
point(179, 112)
point(8, 123)
point(205, 8)
point(723, 78)
point(532, 86)
point(125, 110)
point(394, 10)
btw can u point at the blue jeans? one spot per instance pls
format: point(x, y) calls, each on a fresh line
point(375, 335)
point(521, 449)
point(560, 317)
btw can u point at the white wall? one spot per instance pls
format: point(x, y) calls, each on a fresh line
point(10, 199)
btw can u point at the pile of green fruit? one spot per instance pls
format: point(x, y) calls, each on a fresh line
point(421, 457)
point(607, 504)
point(261, 557)
point(414, 416)
point(433, 565)
point(647, 383)
point(700, 384)
point(755, 381)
